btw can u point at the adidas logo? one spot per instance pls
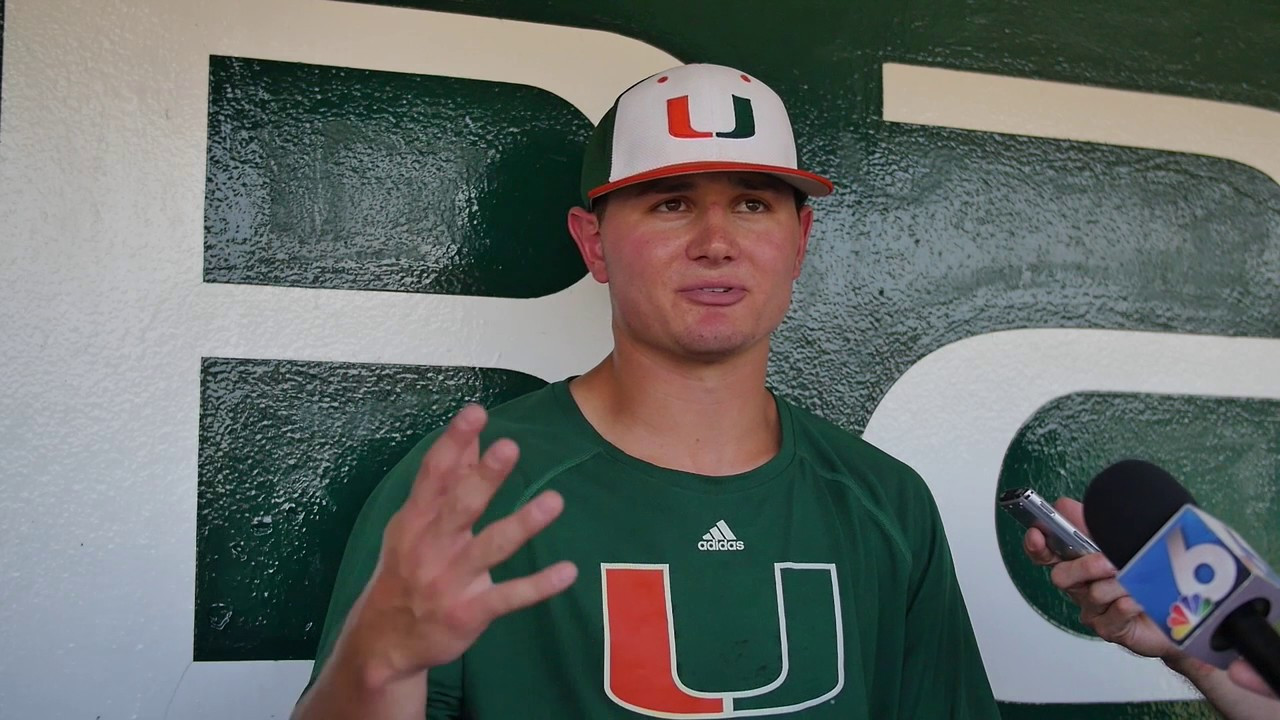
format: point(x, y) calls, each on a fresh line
point(720, 537)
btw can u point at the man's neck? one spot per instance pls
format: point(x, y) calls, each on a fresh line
point(710, 419)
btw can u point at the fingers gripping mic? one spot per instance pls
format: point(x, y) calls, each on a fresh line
point(1197, 579)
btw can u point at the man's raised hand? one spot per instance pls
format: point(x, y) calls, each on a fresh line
point(431, 594)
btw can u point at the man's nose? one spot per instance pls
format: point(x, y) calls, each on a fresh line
point(713, 238)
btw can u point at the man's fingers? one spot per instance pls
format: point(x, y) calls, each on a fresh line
point(1243, 674)
point(470, 490)
point(522, 592)
point(1112, 615)
point(1117, 622)
point(1034, 546)
point(1081, 571)
point(448, 453)
point(471, 453)
point(1099, 595)
point(501, 539)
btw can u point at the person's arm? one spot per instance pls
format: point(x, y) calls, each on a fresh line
point(344, 690)
point(431, 595)
point(1107, 609)
point(1231, 692)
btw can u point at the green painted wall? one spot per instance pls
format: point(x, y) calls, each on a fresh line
point(339, 178)
point(329, 177)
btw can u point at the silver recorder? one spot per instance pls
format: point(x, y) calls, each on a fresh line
point(1028, 508)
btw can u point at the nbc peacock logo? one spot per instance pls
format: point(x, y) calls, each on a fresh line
point(1185, 614)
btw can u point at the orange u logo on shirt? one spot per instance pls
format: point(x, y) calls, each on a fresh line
point(640, 668)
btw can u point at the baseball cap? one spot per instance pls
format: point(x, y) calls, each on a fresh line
point(692, 119)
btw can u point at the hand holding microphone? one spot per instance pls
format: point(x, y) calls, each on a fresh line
point(1109, 609)
point(1090, 581)
point(1198, 580)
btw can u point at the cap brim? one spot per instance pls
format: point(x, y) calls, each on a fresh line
point(806, 182)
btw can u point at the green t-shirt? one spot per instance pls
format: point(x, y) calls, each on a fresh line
point(818, 584)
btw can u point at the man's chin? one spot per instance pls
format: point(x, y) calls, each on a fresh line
point(711, 349)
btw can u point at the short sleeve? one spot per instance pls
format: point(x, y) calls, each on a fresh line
point(942, 675)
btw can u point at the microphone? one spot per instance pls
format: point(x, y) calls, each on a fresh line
point(1196, 578)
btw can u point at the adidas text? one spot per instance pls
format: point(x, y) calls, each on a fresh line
point(720, 545)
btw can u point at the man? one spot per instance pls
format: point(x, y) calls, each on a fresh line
point(1090, 581)
point(733, 554)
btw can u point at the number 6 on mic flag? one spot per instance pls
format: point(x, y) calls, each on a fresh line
point(1193, 573)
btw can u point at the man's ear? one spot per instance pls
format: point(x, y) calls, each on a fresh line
point(584, 226)
point(806, 224)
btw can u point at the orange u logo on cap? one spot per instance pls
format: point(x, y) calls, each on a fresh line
point(680, 126)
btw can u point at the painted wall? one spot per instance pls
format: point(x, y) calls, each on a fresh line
point(252, 249)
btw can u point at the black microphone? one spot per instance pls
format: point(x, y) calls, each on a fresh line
point(1196, 578)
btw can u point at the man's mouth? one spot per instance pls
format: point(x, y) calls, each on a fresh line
point(719, 295)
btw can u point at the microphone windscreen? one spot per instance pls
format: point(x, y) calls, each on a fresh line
point(1127, 504)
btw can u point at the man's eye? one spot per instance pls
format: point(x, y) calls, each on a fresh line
point(673, 205)
point(754, 206)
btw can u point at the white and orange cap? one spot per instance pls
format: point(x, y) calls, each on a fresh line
point(693, 119)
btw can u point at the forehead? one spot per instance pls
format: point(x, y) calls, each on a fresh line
point(748, 181)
